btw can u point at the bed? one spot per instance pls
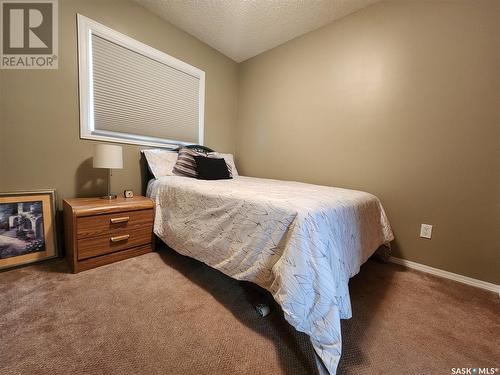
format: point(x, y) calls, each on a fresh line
point(301, 242)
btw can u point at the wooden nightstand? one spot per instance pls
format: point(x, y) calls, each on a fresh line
point(100, 231)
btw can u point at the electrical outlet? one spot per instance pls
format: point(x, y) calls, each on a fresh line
point(426, 231)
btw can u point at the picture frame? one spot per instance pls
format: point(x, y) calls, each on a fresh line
point(27, 227)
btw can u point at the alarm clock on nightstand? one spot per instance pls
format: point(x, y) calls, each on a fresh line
point(128, 194)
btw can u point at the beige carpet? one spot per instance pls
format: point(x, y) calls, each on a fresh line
point(165, 314)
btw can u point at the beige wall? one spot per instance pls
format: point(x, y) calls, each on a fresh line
point(39, 130)
point(400, 99)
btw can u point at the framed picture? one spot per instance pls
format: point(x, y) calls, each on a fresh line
point(27, 227)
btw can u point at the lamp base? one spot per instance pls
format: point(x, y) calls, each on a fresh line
point(109, 196)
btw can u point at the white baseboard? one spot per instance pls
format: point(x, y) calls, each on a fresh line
point(447, 275)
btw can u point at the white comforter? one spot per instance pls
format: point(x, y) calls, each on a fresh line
point(301, 242)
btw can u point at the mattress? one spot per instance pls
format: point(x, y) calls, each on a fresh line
point(299, 241)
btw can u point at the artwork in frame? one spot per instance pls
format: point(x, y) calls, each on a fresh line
point(27, 227)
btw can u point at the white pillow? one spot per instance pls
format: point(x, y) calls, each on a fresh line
point(161, 162)
point(229, 159)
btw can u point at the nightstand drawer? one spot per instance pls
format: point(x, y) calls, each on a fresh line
point(98, 225)
point(115, 241)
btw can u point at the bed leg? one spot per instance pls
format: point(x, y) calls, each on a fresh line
point(262, 309)
point(383, 254)
point(258, 298)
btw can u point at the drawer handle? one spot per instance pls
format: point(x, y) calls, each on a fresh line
point(120, 238)
point(119, 219)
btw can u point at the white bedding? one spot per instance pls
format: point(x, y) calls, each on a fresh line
point(301, 242)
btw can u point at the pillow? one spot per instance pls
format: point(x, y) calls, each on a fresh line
point(210, 168)
point(229, 161)
point(160, 162)
point(186, 165)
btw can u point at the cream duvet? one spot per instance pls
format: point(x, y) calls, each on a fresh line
point(301, 242)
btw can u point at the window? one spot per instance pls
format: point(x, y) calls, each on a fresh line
point(133, 93)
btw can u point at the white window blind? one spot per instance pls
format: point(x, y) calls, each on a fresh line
point(134, 93)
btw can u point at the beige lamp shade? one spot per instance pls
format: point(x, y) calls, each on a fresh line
point(107, 156)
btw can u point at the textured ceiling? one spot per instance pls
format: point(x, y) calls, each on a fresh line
point(241, 29)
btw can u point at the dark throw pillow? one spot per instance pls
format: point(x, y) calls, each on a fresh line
point(186, 165)
point(211, 168)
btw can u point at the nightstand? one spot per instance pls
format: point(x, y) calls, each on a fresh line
point(101, 231)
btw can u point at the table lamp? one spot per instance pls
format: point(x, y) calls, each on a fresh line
point(110, 157)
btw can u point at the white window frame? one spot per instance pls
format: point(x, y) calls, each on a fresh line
point(87, 28)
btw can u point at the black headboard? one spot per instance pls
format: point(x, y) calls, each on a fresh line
point(198, 148)
point(146, 174)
